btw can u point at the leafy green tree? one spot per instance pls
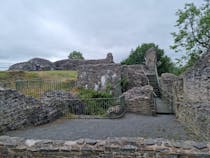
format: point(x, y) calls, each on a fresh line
point(76, 55)
point(164, 63)
point(193, 35)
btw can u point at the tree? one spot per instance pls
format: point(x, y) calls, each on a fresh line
point(164, 63)
point(193, 35)
point(76, 55)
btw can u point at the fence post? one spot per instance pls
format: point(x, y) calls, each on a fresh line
point(17, 85)
point(122, 102)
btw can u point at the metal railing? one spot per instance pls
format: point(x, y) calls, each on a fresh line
point(95, 107)
point(36, 88)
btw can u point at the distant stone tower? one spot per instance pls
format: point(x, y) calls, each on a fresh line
point(109, 58)
point(151, 58)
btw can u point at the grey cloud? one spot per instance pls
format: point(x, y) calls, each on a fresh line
point(52, 28)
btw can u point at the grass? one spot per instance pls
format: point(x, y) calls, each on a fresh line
point(61, 75)
point(37, 82)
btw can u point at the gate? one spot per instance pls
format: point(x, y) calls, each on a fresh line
point(164, 104)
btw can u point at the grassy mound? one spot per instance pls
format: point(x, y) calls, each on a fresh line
point(62, 75)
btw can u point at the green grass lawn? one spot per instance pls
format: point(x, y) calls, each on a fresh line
point(62, 75)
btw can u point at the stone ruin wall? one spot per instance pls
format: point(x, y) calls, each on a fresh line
point(196, 81)
point(14, 147)
point(166, 83)
point(103, 77)
point(70, 64)
point(134, 75)
point(38, 64)
point(140, 100)
point(18, 111)
point(191, 96)
point(108, 77)
point(100, 77)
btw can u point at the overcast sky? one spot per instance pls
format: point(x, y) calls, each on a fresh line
point(53, 28)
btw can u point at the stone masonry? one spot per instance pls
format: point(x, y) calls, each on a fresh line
point(190, 95)
point(38, 64)
point(134, 75)
point(109, 77)
point(34, 64)
point(105, 77)
point(166, 83)
point(14, 147)
point(18, 111)
point(140, 100)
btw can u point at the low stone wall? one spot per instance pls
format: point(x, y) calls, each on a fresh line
point(18, 111)
point(196, 117)
point(13, 147)
point(140, 100)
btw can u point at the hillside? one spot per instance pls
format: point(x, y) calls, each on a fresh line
point(11, 76)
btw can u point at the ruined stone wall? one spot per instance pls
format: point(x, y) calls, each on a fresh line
point(196, 81)
point(167, 81)
point(104, 77)
point(37, 64)
point(140, 100)
point(134, 76)
point(70, 64)
point(191, 99)
point(34, 64)
point(196, 117)
point(13, 147)
point(18, 111)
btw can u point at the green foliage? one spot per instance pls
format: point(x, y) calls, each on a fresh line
point(108, 87)
point(90, 93)
point(137, 57)
point(182, 68)
point(76, 55)
point(124, 84)
point(193, 35)
point(97, 102)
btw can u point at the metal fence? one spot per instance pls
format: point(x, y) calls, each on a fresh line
point(70, 108)
point(97, 107)
point(36, 88)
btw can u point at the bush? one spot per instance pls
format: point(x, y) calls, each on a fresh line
point(96, 102)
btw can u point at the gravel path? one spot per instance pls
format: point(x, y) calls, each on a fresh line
point(131, 125)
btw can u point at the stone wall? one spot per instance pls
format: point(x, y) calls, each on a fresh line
point(70, 64)
point(37, 64)
point(191, 99)
point(196, 81)
point(104, 77)
point(18, 111)
point(167, 81)
point(134, 75)
point(196, 117)
point(140, 100)
point(34, 64)
point(13, 147)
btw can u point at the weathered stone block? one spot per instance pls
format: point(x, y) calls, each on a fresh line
point(140, 100)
